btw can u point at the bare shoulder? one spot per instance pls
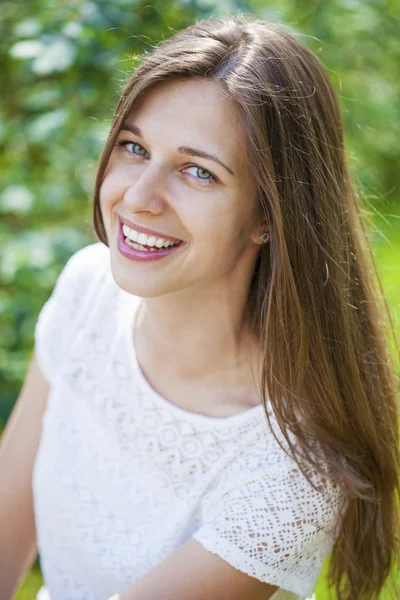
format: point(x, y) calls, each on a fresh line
point(194, 573)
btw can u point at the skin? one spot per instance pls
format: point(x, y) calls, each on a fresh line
point(194, 299)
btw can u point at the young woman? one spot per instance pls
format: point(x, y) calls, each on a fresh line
point(219, 400)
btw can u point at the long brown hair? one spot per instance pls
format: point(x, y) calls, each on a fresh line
point(328, 371)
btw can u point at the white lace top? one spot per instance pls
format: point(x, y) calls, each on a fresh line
point(123, 477)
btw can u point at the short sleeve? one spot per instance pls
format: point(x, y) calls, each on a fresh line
point(275, 526)
point(60, 315)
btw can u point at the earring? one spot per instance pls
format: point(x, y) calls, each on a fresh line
point(264, 237)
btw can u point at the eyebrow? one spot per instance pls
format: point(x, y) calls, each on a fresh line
point(182, 149)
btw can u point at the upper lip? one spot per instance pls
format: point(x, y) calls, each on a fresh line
point(146, 230)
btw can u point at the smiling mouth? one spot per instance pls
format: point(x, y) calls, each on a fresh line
point(145, 242)
point(145, 248)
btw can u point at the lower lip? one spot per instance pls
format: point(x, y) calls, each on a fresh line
point(142, 255)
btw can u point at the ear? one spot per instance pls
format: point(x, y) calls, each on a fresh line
point(261, 228)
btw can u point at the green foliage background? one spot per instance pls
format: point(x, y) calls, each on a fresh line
point(63, 65)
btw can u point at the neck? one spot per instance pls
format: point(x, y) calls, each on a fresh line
point(197, 337)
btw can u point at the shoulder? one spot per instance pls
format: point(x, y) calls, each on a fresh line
point(89, 260)
point(81, 273)
point(92, 254)
point(274, 520)
point(68, 304)
point(268, 475)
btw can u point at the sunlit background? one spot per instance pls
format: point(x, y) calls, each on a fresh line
point(63, 64)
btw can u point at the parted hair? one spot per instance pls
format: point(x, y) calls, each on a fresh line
point(316, 300)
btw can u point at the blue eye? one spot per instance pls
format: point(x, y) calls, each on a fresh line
point(200, 173)
point(128, 143)
point(202, 176)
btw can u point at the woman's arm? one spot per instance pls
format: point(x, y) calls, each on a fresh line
point(193, 573)
point(18, 448)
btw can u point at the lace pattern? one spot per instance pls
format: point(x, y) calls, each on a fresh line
point(123, 478)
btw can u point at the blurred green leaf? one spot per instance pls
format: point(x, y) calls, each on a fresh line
point(17, 199)
point(27, 49)
point(57, 56)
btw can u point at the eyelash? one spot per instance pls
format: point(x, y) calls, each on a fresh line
point(123, 143)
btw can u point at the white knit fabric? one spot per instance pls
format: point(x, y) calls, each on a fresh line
point(123, 477)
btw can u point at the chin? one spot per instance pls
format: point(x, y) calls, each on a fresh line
point(131, 280)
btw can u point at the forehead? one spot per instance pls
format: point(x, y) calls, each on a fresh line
point(191, 110)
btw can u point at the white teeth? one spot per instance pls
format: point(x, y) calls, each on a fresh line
point(136, 246)
point(142, 238)
point(130, 233)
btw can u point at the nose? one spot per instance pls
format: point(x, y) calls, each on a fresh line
point(147, 193)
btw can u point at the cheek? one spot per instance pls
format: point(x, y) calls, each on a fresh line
point(217, 232)
point(111, 191)
point(231, 221)
point(104, 194)
point(226, 222)
point(109, 195)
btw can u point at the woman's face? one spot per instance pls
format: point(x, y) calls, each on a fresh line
point(154, 181)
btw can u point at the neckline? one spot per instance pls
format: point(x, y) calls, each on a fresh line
point(256, 412)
